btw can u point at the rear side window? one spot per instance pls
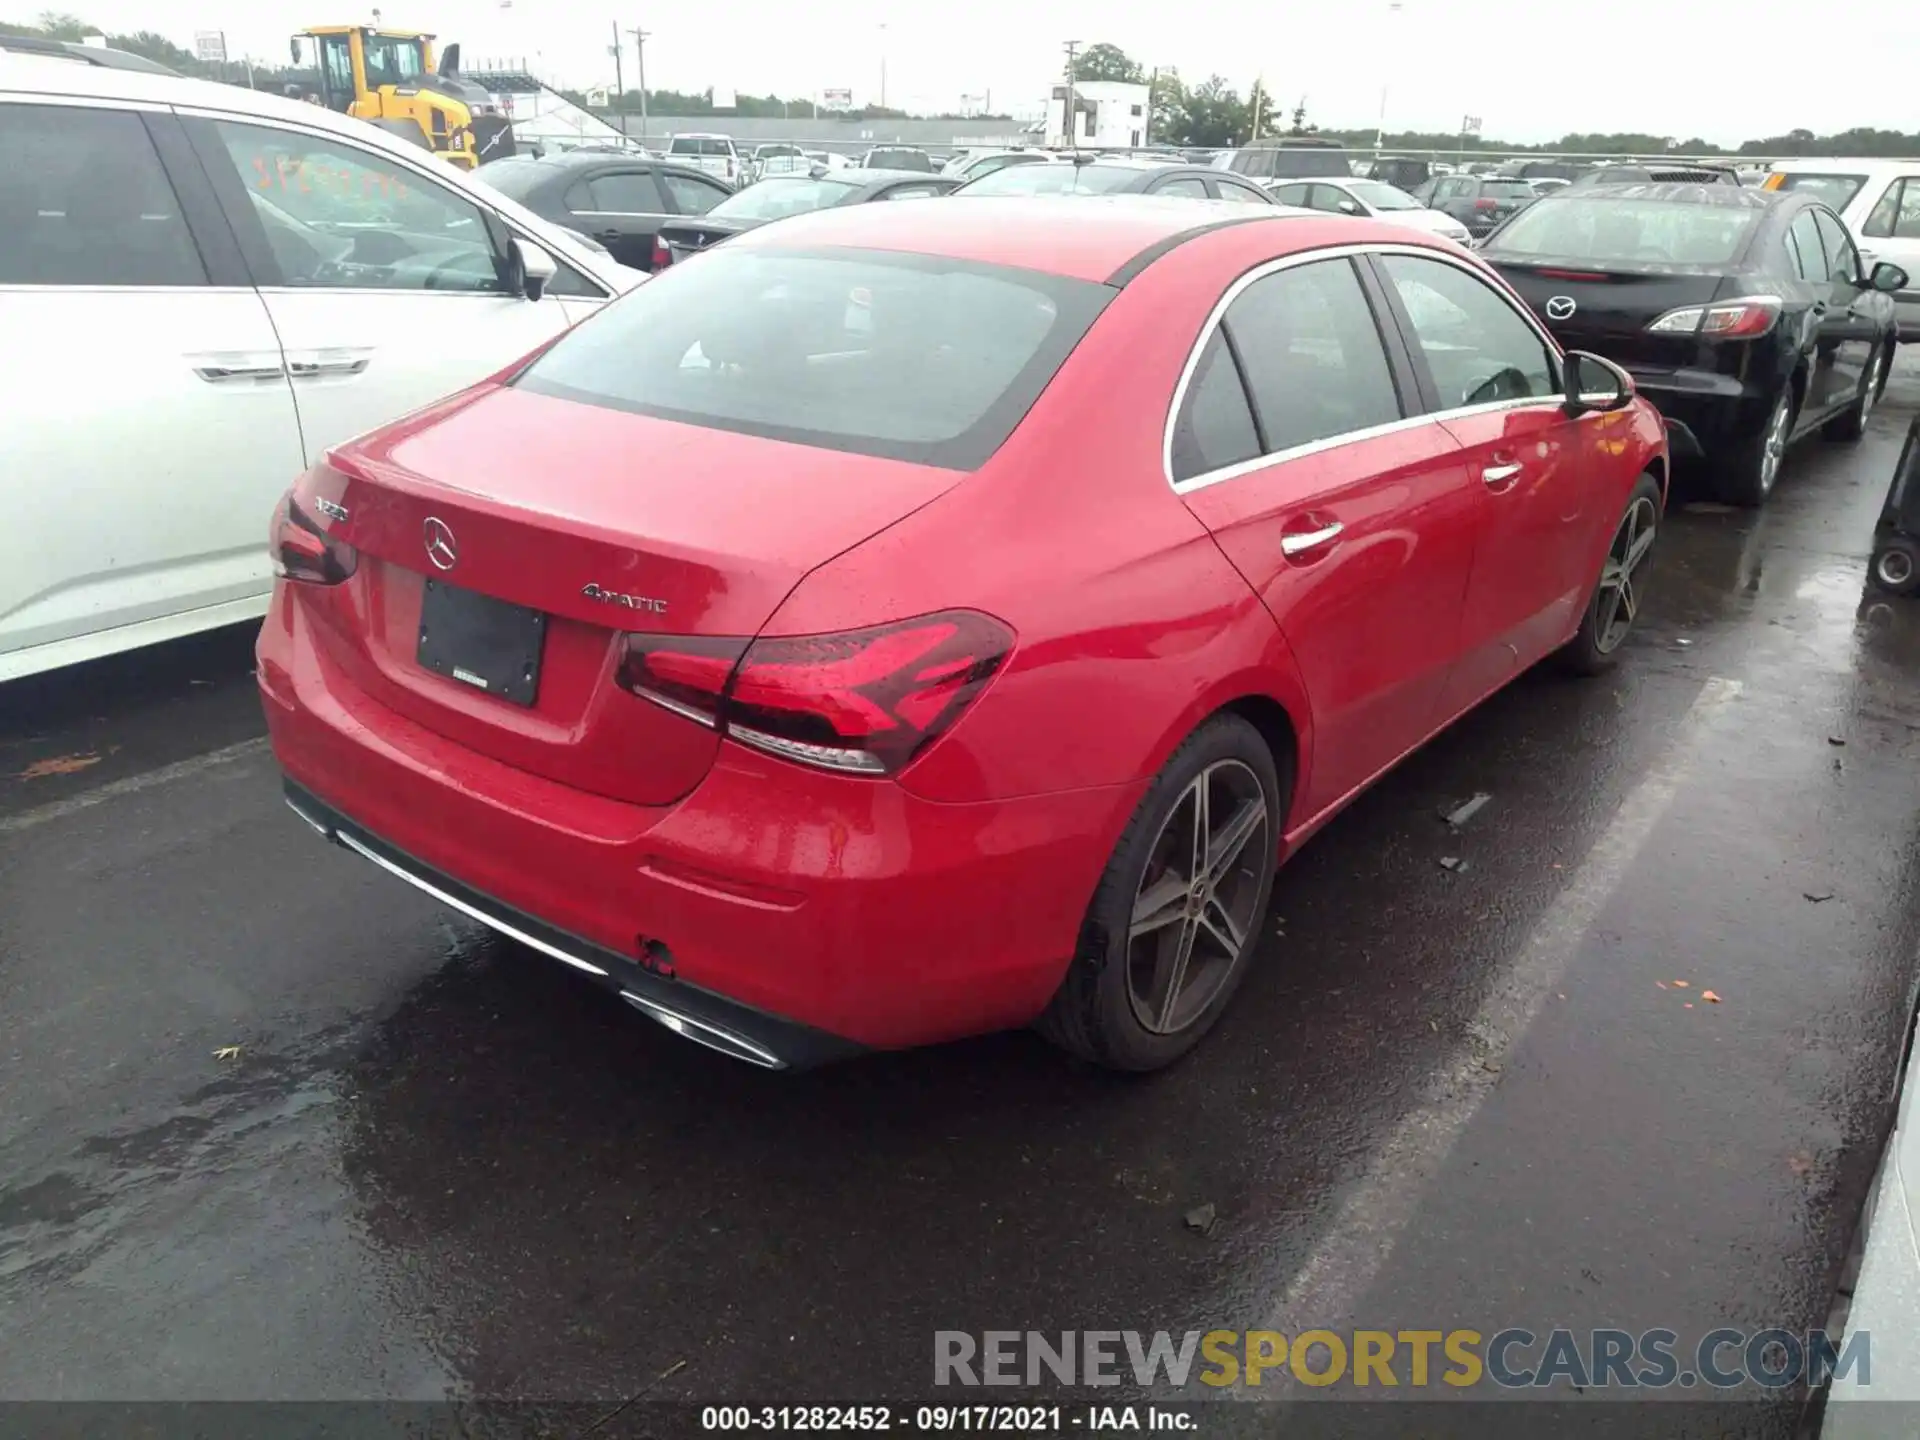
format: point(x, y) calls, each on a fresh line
point(691, 196)
point(1312, 355)
point(1252, 162)
point(1478, 348)
point(84, 201)
point(1215, 426)
point(911, 357)
point(1304, 161)
point(632, 193)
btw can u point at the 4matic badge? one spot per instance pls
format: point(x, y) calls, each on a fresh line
point(630, 602)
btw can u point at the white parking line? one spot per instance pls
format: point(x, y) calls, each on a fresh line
point(87, 799)
point(1326, 1290)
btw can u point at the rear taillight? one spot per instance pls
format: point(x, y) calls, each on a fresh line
point(303, 551)
point(864, 701)
point(1483, 203)
point(1733, 320)
point(662, 254)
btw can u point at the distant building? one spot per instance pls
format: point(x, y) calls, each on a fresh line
point(1108, 115)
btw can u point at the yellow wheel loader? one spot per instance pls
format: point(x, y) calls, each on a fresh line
point(388, 78)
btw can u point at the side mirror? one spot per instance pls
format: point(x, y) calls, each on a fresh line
point(293, 50)
point(1592, 383)
point(534, 267)
point(1350, 207)
point(1888, 277)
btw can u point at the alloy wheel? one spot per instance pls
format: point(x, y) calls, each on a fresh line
point(1617, 602)
point(1871, 395)
point(1193, 914)
point(1773, 448)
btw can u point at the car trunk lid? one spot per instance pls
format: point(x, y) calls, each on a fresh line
point(1606, 307)
point(521, 530)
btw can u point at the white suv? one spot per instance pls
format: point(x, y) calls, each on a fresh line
point(1880, 202)
point(715, 154)
point(202, 288)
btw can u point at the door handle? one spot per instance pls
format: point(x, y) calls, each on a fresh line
point(1499, 474)
point(1296, 545)
point(322, 364)
point(221, 374)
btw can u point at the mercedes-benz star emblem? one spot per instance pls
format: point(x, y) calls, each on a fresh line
point(441, 549)
point(1561, 307)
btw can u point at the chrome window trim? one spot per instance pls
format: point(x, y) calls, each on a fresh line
point(1349, 437)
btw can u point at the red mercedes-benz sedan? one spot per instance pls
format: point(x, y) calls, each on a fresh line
point(908, 621)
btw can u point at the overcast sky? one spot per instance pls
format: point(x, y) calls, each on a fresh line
point(1532, 70)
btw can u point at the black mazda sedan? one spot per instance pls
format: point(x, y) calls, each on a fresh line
point(1746, 315)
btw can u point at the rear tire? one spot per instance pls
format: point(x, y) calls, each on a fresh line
point(1595, 647)
point(1133, 998)
point(1748, 475)
point(1895, 568)
point(1851, 423)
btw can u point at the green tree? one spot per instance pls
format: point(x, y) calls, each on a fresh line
point(1216, 115)
point(1108, 62)
point(1168, 107)
point(58, 25)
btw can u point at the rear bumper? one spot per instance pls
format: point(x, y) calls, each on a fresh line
point(1707, 414)
point(786, 897)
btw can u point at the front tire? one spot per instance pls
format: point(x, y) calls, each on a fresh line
point(1180, 910)
point(1615, 602)
point(1747, 476)
point(1851, 423)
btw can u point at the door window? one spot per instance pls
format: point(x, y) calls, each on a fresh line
point(1187, 185)
point(1805, 234)
point(1239, 190)
point(1312, 354)
point(1897, 216)
point(336, 71)
point(911, 192)
point(626, 192)
point(1478, 348)
point(1292, 194)
point(1328, 198)
point(1841, 258)
point(1215, 426)
point(691, 196)
point(340, 217)
point(84, 201)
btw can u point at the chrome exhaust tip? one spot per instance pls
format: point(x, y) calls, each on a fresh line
point(703, 1032)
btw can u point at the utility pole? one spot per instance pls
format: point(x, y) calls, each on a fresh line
point(640, 38)
point(883, 64)
point(1073, 119)
point(619, 83)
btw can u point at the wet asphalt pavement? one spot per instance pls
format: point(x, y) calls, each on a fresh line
point(437, 1165)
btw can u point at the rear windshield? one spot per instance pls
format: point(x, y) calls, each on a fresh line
point(1569, 226)
point(1515, 189)
point(911, 357)
point(516, 178)
point(1051, 180)
point(1833, 191)
point(1289, 161)
point(700, 145)
point(772, 199)
point(899, 160)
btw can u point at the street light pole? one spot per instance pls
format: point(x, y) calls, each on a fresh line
point(883, 64)
point(619, 81)
point(1072, 119)
point(640, 38)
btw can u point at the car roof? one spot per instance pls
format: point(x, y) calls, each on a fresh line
point(1688, 192)
point(1090, 238)
point(1839, 162)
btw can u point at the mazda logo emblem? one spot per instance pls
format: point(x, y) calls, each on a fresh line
point(1561, 307)
point(441, 548)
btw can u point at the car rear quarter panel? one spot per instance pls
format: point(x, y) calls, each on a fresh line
point(1131, 625)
